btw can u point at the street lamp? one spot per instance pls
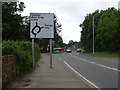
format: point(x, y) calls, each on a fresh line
point(93, 35)
point(119, 6)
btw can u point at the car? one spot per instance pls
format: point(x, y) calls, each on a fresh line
point(78, 50)
point(83, 50)
point(68, 50)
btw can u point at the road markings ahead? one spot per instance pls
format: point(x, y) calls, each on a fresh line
point(114, 69)
point(82, 76)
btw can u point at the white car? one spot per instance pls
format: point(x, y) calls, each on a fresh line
point(68, 50)
point(78, 50)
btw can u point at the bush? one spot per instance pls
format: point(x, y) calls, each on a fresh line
point(23, 51)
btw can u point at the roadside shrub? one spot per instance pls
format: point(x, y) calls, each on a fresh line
point(23, 51)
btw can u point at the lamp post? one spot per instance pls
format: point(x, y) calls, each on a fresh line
point(93, 36)
point(119, 6)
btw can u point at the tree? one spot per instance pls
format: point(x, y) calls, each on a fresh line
point(107, 31)
point(72, 44)
point(58, 41)
point(16, 27)
point(12, 23)
point(106, 27)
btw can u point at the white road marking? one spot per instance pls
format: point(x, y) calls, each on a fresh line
point(82, 76)
point(114, 69)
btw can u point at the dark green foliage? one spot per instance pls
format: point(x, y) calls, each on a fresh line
point(23, 50)
point(58, 41)
point(107, 29)
point(15, 27)
point(12, 23)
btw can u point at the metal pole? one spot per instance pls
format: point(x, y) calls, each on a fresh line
point(93, 35)
point(50, 53)
point(33, 51)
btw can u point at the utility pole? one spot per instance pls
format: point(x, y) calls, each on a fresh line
point(119, 6)
point(93, 35)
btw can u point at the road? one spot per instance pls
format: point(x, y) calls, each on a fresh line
point(102, 72)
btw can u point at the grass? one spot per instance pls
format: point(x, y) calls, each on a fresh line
point(105, 54)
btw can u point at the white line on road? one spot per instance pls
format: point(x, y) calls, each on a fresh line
point(82, 76)
point(114, 69)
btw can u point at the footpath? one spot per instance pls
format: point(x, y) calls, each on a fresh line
point(60, 76)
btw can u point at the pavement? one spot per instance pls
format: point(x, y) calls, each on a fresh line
point(59, 76)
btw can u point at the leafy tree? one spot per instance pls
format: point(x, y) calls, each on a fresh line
point(12, 23)
point(16, 27)
point(107, 30)
point(72, 44)
point(58, 41)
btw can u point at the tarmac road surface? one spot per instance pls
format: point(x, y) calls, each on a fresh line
point(103, 72)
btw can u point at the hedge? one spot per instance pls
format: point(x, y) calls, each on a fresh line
point(23, 51)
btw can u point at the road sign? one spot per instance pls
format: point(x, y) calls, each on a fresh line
point(41, 25)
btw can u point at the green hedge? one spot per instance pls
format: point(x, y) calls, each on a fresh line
point(23, 51)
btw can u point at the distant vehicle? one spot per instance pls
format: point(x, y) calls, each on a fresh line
point(78, 50)
point(59, 50)
point(68, 50)
point(83, 50)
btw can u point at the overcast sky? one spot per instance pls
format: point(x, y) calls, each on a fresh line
point(70, 13)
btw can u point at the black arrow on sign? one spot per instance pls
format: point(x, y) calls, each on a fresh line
point(39, 29)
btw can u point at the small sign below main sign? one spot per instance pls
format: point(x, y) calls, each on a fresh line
point(41, 25)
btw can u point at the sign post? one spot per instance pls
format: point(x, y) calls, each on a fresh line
point(42, 26)
point(33, 52)
point(50, 53)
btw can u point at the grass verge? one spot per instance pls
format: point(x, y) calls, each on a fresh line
point(105, 54)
